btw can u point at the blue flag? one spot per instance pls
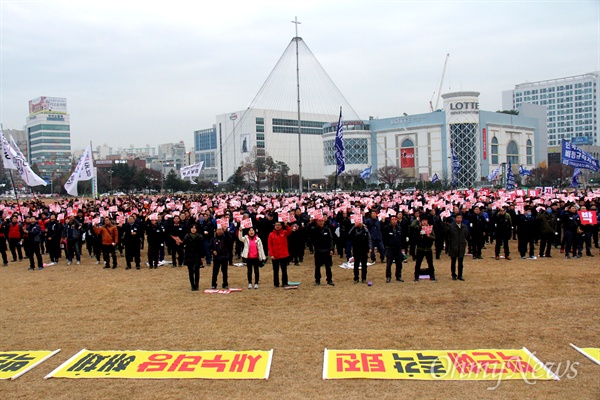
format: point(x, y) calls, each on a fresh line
point(365, 173)
point(339, 146)
point(510, 178)
point(575, 157)
point(523, 171)
point(435, 178)
point(494, 174)
point(574, 178)
point(455, 167)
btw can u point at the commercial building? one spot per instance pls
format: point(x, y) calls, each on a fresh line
point(205, 145)
point(572, 106)
point(421, 144)
point(49, 136)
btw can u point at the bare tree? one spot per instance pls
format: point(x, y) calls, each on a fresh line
point(390, 175)
point(254, 168)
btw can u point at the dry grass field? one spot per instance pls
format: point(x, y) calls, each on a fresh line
point(542, 304)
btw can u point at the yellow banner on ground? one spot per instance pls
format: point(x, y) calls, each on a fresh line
point(140, 364)
point(13, 364)
point(435, 365)
point(590, 352)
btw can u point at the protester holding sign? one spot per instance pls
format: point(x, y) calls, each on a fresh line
point(587, 221)
point(278, 250)
point(424, 243)
point(253, 255)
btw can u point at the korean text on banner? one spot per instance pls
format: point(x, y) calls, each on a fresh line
point(13, 364)
point(435, 365)
point(141, 364)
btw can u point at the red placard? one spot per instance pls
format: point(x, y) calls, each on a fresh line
point(588, 217)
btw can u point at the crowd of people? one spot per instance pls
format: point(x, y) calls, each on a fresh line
point(213, 231)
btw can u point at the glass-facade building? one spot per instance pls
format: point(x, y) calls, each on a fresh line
point(49, 143)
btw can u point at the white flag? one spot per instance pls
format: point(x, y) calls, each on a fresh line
point(82, 172)
point(14, 159)
point(191, 170)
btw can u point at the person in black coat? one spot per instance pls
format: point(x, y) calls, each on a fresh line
point(156, 240)
point(393, 239)
point(33, 239)
point(528, 228)
point(360, 237)
point(503, 228)
point(220, 247)
point(194, 253)
point(132, 239)
point(323, 242)
point(477, 229)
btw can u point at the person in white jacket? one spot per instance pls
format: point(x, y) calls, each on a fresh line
point(253, 255)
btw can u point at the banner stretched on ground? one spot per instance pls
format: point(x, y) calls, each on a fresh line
point(590, 352)
point(13, 364)
point(141, 364)
point(435, 365)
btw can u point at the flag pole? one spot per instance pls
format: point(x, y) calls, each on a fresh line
point(12, 181)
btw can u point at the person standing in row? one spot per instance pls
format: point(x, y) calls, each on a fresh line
point(53, 235)
point(34, 238)
point(219, 247)
point(323, 247)
point(156, 241)
point(457, 245)
point(373, 225)
point(425, 238)
point(3, 248)
point(503, 228)
point(254, 255)
point(15, 238)
point(278, 250)
point(360, 237)
point(194, 253)
point(548, 229)
point(393, 241)
point(477, 230)
point(528, 229)
point(131, 239)
point(71, 234)
point(109, 235)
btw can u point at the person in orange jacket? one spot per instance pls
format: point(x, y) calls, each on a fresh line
point(110, 238)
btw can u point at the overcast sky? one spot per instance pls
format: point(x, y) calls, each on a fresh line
point(153, 72)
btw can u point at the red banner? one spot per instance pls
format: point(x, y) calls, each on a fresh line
point(407, 158)
point(484, 144)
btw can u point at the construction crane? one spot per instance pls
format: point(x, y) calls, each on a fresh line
point(437, 101)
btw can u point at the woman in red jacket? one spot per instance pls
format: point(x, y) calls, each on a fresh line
point(278, 250)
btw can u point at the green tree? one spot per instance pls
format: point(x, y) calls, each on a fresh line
point(172, 181)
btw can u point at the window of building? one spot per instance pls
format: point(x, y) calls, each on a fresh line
point(512, 153)
point(260, 121)
point(356, 151)
point(494, 150)
point(529, 152)
point(260, 128)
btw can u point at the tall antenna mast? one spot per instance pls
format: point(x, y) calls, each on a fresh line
point(296, 39)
